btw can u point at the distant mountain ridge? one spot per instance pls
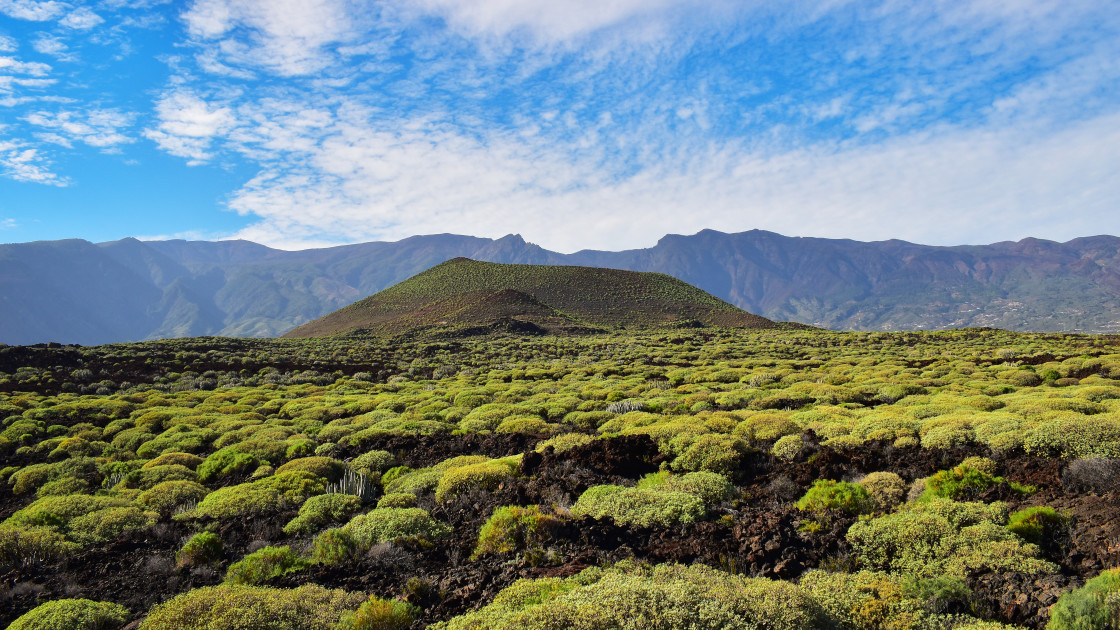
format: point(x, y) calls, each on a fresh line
point(465, 294)
point(74, 291)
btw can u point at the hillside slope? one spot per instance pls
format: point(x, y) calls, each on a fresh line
point(464, 292)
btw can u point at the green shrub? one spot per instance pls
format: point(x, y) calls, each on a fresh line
point(389, 524)
point(60, 511)
point(1035, 524)
point(71, 614)
point(202, 548)
point(417, 482)
point(965, 482)
point(942, 537)
point(513, 528)
point(712, 488)
point(639, 506)
point(63, 486)
point(1094, 606)
point(326, 467)
point(263, 565)
point(30, 546)
point(788, 447)
point(397, 500)
point(379, 614)
point(271, 494)
point(29, 478)
point(484, 476)
point(108, 524)
point(373, 462)
point(180, 459)
point(334, 546)
point(166, 497)
point(393, 474)
point(226, 461)
point(308, 607)
point(713, 453)
point(564, 442)
point(887, 489)
point(836, 495)
point(664, 597)
point(324, 509)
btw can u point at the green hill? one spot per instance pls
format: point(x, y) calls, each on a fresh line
point(466, 293)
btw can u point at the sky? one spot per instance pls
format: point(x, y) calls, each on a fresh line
point(579, 124)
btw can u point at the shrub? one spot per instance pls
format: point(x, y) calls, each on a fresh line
point(63, 486)
point(630, 597)
point(324, 509)
point(29, 546)
point(942, 537)
point(326, 467)
point(379, 614)
point(376, 526)
point(108, 524)
point(836, 495)
point(712, 488)
point(58, 512)
point(397, 500)
point(864, 599)
point(1092, 474)
point(164, 498)
point(334, 546)
point(29, 478)
point(225, 461)
point(564, 442)
point(887, 489)
point(180, 459)
point(64, 614)
point(965, 482)
point(713, 453)
point(1094, 606)
point(639, 506)
point(485, 476)
point(308, 607)
point(146, 478)
point(271, 494)
point(202, 548)
point(788, 447)
point(513, 528)
point(1035, 524)
point(373, 462)
point(263, 565)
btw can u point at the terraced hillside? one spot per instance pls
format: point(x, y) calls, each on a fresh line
point(530, 298)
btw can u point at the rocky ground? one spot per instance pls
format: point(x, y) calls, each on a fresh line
point(757, 535)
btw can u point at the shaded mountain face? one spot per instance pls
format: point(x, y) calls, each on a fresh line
point(468, 293)
point(78, 292)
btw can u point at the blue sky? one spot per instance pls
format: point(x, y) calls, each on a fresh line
point(577, 123)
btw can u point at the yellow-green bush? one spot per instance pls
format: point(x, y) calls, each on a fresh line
point(28, 546)
point(712, 488)
point(164, 498)
point(181, 459)
point(263, 565)
point(202, 548)
point(1094, 606)
point(376, 526)
point(308, 607)
point(942, 537)
point(513, 528)
point(826, 494)
point(564, 442)
point(373, 462)
point(664, 597)
point(324, 509)
point(639, 506)
point(271, 494)
point(326, 467)
point(379, 614)
point(397, 500)
point(483, 476)
point(886, 488)
point(67, 614)
point(107, 524)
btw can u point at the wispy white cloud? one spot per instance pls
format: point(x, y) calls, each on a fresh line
point(287, 37)
point(23, 163)
point(32, 10)
point(53, 46)
point(81, 19)
point(187, 124)
point(8, 44)
point(7, 224)
point(100, 128)
point(33, 68)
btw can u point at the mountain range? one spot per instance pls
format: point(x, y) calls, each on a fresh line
point(74, 291)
